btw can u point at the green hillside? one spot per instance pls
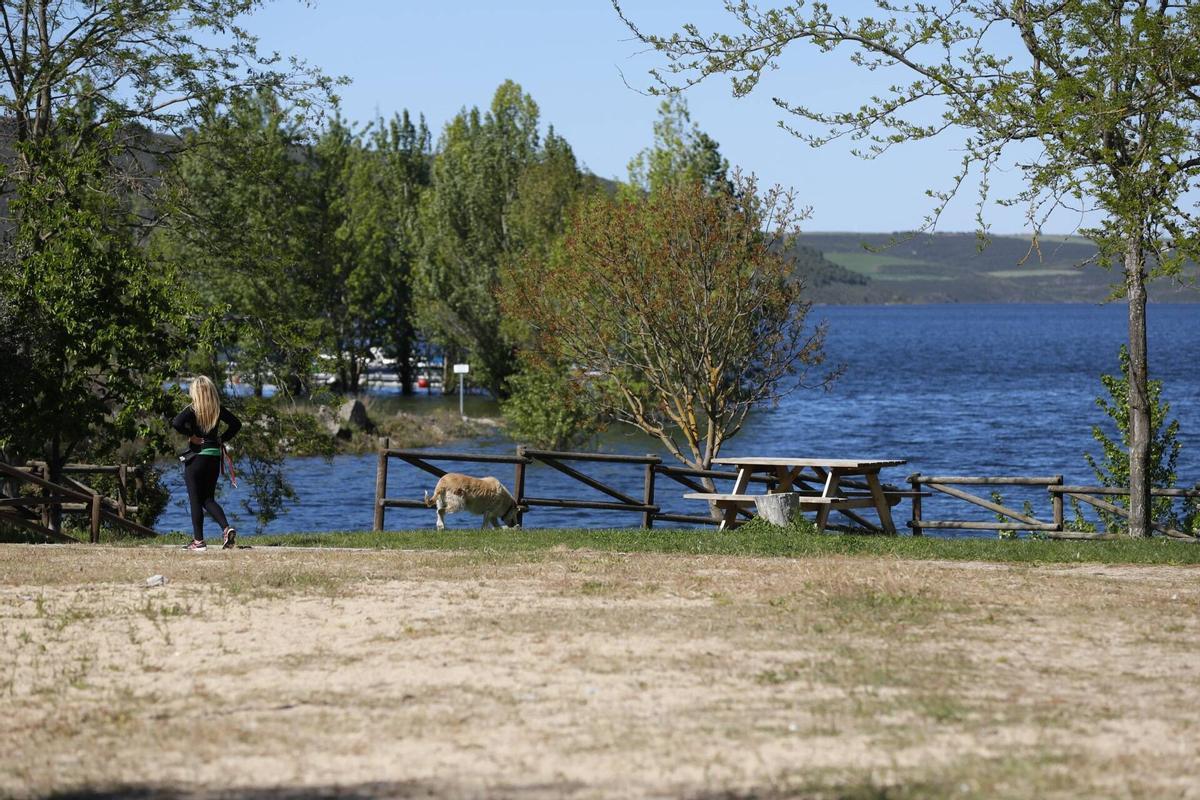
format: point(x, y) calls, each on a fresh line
point(960, 268)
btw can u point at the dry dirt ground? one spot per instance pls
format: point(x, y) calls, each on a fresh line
point(280, 674)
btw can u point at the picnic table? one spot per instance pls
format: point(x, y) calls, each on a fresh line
point(823, 485)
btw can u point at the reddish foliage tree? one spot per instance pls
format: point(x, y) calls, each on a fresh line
point(679, 303)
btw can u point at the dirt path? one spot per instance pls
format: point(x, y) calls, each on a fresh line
point(303, 674)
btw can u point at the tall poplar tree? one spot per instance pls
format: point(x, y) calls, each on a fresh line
point(470, 230)
point(681, 153)
point(384, 181)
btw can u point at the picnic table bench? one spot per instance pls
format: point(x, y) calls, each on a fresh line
point(802, 476)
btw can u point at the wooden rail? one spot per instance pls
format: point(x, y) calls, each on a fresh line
point(70, 496)
point(1086, 494)
point(1051, 525)
point(646, 506)
point(1055, 528)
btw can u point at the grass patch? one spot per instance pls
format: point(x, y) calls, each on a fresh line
point(282, 582)
point(891, 607)
point(1032, 273)
point(899, 278)
point(497, 544)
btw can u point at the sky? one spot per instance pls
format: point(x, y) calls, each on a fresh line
point(579, 63)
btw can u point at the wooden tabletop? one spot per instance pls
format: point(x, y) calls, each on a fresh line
point(829, 463)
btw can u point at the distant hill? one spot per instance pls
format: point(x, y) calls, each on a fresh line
point(952, 268)
point(819, 272)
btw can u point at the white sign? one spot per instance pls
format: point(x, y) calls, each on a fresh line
point(462, 369)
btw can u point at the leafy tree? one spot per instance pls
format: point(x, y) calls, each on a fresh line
point(547, 189)
point(1112, 468)
point(349, 325)
point(135, 68)
point(475, 221)
point(380, 229)
point(1106, 94)
point(243, 200)
point(96, 328)
point(552, 406)
point(17, 379)
point(680, 306)
point(547, 404)
point(88, 89)
point(681, 153)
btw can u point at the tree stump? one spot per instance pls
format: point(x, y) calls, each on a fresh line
point(778, 509)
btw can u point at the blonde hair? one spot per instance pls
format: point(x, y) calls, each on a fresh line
point(205, 403)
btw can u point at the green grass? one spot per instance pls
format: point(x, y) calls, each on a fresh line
point(1032, 273)
point(744, 542)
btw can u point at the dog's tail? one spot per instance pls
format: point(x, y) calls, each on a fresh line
point(430, 502)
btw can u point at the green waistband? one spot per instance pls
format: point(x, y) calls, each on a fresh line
point(211, 451)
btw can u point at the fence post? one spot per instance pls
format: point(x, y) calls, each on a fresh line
point(1056, 502)
point(915, 481)
point(648, 494)
point(381, 484)
point(95, 528)
point(519, 484)
point(122, 490)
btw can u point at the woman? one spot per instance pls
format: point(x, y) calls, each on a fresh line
point(202, 461)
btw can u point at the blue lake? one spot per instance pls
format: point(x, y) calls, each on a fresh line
point(954, 389)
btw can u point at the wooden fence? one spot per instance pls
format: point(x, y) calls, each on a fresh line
point(646, 507)
point(70, 496)
point(1052, 525)
point(1056, 493)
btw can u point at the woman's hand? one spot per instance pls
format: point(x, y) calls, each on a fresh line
point(196, 440)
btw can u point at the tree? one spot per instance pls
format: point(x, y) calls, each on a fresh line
point(546, 404)
point(681, 153)
point(96, 328)
point(1112, 468)
point(244, 207)
point(349, 323)
point(552, 405)
point(131, 67)
point(269, 432)
point(1107, 93)
point(385, 179)
point(680, 306)
point(89, 93)
point(474, 222)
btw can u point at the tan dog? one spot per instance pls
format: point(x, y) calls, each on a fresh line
point(486, 496)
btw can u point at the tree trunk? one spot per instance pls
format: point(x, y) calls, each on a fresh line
point(404, 364)
point(54, 469)
point(1139, 404)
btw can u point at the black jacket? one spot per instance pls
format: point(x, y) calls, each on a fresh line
point(186, 424)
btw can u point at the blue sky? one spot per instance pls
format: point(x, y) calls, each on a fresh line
point(575, 58)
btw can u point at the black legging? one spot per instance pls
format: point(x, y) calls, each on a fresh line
point(200, 475)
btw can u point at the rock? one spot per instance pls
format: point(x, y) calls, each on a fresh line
point(354, 414)
point(778, 509)
point(156, 580)
point(328, 418)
